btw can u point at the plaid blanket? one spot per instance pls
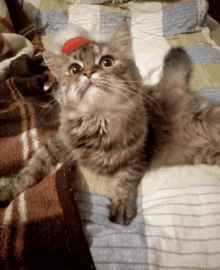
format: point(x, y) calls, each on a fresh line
point(41, 228)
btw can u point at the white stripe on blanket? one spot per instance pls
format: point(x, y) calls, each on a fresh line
point(182, 217)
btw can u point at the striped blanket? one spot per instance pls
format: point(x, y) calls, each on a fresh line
point(41, 228)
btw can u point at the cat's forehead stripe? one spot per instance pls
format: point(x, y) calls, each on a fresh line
point(105, 50)
point(96, 49)
point(87, 52)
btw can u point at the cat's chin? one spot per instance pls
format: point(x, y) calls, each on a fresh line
point(96, 98)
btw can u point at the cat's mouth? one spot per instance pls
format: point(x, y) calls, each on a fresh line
point(87, 87)
point(92, 89)
point(88, 84)
point(84, 88)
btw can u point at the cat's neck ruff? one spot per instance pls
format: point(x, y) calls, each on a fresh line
point(103, 121)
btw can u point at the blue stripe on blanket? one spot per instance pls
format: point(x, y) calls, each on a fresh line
point(112, 246)
point(203, 54)
point(210, 93)
point(53, 20)
point(179, 18)
point(109, 21)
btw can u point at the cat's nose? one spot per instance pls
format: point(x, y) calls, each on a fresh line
point(89, 73)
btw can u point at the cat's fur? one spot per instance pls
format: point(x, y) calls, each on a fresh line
point(115, 126)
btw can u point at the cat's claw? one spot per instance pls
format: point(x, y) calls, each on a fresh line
point(122, 212)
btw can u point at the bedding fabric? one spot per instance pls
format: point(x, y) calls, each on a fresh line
point(15, 38)
point(176, 227)
point(177, 224)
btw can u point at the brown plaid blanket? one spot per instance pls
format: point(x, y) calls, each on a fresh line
point(41, 228)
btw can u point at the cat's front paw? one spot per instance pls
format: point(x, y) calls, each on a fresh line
point(123, 202)
point(122, 211)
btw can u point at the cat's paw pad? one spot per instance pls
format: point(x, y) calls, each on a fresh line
point(122, 212)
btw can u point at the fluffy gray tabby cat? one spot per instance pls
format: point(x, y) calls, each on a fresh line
point(113, 125)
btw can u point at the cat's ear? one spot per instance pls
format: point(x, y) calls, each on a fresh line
point(55, 63)
point(122, 40)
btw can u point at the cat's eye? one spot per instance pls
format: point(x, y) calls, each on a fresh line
point(74, 69)
point(107, 61)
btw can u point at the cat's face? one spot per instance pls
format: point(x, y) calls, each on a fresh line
point(98, 76)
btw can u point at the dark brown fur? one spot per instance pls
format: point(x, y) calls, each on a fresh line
point(115, 126)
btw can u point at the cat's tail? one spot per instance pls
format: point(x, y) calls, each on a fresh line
point(177, 68)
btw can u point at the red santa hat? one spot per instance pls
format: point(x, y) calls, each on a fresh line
point(73, 37)
point(75, 43)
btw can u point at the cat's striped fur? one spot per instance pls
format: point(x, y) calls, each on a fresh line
point(115, 126)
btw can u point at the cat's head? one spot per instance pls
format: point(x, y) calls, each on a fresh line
point(98, 75)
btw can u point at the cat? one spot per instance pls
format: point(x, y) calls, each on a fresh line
point(114, 125)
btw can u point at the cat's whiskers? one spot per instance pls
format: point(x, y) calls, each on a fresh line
point(148, 101)
point(53, 100)
point(140, 81)
point(142, 96)
point(115, 83)
point(40, 96)
point(111, 85)
point(51, 103)
point(138, 89)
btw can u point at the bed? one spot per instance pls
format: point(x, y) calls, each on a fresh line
point(178, 220)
